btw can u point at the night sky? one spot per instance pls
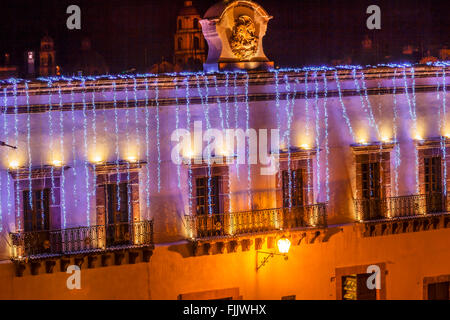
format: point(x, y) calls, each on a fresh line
point(302, 32)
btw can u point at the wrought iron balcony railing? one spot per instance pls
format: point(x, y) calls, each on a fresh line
point(81, 239)
point(230, 224)
point(402, 206)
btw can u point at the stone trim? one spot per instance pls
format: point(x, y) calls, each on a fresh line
point(431, 280)
point(371, 154)
point(41, 178)
point(110, 173)
point(432, 148)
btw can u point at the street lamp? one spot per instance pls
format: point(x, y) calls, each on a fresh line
point(283, 245)
point(4, 144)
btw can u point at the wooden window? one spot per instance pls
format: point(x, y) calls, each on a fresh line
point(439, 291)
point(293, 196)
point(36, 214)
point(117, 203)
point(180, 43)
point(433, 183)
point(207, 202)
point(370, 174)
point(371, 190)
point(195, 23)
point(118, 208)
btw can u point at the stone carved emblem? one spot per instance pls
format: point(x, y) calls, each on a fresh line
point(243, 41)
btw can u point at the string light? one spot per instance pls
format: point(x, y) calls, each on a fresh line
point(74, 155)
point(317, 126)
point(61, 144)
point(30, 186)
point(86, 167)
point(344, 111)
point(188, 126)
point(177, 124)
point(397, 159)
point(116, 129)
point(158, 138)
point(247, 127)
point(236, 111)
point(412, 114)
point(327, 149)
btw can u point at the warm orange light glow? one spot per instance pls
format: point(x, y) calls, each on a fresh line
point(132, 159)
point(97, 159)
point(283, 245)
point(305, 146)
point(57, 163)
point(13, 164)
point(418, 137)
point(385, 139)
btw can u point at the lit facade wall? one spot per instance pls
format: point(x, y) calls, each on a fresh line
point(82, 122)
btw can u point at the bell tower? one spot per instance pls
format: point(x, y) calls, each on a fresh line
point(189, 44)
point(47, 63)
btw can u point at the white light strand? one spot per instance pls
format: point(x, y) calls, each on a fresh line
point(74, 152)
point(147, 148)
point(397, 159)
point(158, 138)
point(236, 112)
point(30, 166)
point(177, 125)
point(412, 114)
point(116, 129)
point(344, 111)
point(86, 166)
point(61, 145)
point(287, 135)
point(127, 139)
point(317, 127)
point(327, 148)
point(444, 124)
point(50, 123)
point(247, 127)
point(188, 127)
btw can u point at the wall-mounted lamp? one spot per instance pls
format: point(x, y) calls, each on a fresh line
point(4, 144)
point(283, 245)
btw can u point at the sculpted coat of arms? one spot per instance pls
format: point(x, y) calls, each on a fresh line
point(243, 41)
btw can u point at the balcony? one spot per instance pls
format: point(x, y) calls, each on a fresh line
point(402, 206)
point(80, 240)
point(256, 221)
